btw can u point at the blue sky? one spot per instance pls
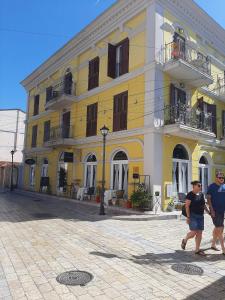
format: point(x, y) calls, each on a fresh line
point(32, 30)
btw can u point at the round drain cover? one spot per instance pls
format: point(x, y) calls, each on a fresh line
point(187, 269)
point(74, 278)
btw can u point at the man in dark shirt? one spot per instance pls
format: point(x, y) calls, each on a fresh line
point(216, 202)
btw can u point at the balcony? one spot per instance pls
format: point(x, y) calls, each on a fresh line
point(187, 65)
point(59, 136)
point(61, 95)
point(222, 138)
point(219, 89)
point(186, 122)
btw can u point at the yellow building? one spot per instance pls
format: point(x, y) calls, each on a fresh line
point(153, 73)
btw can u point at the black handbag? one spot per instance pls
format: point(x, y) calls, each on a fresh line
point(183, 211)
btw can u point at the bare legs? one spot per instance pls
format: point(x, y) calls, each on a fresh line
point(198, 237)
point(218, 234)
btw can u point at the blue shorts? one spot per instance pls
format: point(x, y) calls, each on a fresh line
point(196, 222)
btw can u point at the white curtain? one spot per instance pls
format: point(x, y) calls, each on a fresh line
point(206, 180)
point(88, 176)
point(184, 179)
point(94, 175)
point(175, 165)
point(116, 177)
point(125, 181)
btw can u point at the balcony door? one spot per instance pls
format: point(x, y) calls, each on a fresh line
point(119, 172)
point(178, 50)
point(204, 173)
point(66, 125)
point(180, 171)
point(90, 171)
point(68, 83)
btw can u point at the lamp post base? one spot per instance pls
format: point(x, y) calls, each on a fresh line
point(102, 211)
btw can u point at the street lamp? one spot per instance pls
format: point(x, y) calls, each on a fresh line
point(104, 131)
point(11, 185)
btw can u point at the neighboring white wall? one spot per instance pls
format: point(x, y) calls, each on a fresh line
point(11, 134)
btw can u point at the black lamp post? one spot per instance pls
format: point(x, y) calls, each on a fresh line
point(104, 131)
point(11, 185)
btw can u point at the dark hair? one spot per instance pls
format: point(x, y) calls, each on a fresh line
point(195, 182)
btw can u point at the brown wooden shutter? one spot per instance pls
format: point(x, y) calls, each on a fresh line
point(68, 83)
point(125, 57)
point(120, 112)
point(223, 123)
point(49, 93)
point(211, 108)
point(66, 125)
point(111, 61)
point(92, 116)
point(93, 75)
point(34, 136)
point(36, 105)
point(47, 126)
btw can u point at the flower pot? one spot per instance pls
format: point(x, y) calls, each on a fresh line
point(97, 199)
point(129, 204)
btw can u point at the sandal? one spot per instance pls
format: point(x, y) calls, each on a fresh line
point(183, 244)
point(215, 249)
point(201, 253)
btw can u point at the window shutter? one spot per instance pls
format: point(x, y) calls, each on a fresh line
point(120, 112)
point(49, 93)
point(172, 94)
point(111, 61)
point(68, 83)
point(47, 125)
point(125, 57)
point(66, 125)
point(92, 116)
point(211, 108)
point(34, 136)
point(93, 75)
point(36, 105)
point(223, 123)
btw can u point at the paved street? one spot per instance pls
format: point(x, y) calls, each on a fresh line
point(129, 257)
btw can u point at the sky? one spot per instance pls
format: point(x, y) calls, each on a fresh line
point(32, 30)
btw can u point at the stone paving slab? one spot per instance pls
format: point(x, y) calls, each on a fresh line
point(128, 257)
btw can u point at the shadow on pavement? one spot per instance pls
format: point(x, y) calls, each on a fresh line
point(215, 290)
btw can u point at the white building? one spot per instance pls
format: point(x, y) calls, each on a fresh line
point(12, 128)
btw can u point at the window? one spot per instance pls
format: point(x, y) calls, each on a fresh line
point(49, 93)
point(68, 83)
point(178, 50)
point(120, 112)
point(90, 171)
point(177, 96)
point(119, 173)
point(204, 173)
point(93, 76)
point(34, 136)
point(32, 175)
point(223, 123)
point(92, 113)
point(208, 116)
point(36, 105)
point(118, 59)
point(46, 136)
point(180, 171)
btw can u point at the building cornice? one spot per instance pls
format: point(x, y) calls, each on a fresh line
point(106, 23)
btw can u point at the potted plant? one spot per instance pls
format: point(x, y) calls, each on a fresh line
point(129, 203)
point(171, 205)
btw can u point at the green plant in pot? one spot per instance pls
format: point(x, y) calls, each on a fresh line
point(98, 194)
point(141, 199)
point(171, 205)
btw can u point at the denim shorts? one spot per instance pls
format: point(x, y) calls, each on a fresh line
point(196, 222)
point(218, 220)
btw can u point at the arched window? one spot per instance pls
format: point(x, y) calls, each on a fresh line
point(204, 173)
point(90, 171)
point(180, 172)
point(44, 168)
point(62, 174)
point(119, 171)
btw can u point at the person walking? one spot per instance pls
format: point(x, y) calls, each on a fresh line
point(216, 202)
point(195, 206)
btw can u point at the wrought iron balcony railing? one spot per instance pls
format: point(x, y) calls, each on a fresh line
point(61, 88)
point(175, 51)
point(184, 115)
point(58, 133)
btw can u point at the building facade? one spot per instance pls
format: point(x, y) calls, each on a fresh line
point(152, 71)
point(12, 129)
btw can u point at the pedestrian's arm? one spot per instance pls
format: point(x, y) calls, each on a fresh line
point(209, 202)
point(187, 207)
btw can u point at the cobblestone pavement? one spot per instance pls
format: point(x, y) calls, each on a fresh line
point(128, 257)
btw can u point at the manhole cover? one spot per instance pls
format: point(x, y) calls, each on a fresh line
point(187, 269)
point(74, 278)
point(43, 216)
